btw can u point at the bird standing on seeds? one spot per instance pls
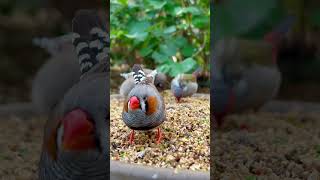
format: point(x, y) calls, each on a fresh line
point(144, 107)
point(184, 85)
point(75, 144)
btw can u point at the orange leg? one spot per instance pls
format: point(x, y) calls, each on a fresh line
point(159, 136)
point(131, 137)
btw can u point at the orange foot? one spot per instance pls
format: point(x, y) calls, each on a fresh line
point(159, 136)
point(131, 137)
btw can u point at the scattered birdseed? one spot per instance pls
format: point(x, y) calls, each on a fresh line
point(20, 147)
point(267, 146)
point(186, 132)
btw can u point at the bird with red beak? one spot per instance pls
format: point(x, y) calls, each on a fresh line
point(144, 108)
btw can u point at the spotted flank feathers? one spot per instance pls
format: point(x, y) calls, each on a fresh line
point(138, 74)
point(90, 39)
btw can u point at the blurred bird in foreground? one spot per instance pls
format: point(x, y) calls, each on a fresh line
point(75, 143)
point(59, 73)
point(244, 74)
point(144, 107)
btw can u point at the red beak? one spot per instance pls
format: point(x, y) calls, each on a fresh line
point(78, 131)
point(134, 103)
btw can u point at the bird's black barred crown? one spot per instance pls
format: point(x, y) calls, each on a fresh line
point(90, 39)
point(138, 74)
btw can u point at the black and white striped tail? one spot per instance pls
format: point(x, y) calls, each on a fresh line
point(138, 74)
point(90, 40)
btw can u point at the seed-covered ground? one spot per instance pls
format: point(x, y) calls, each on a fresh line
point(250, 146)
point(268, 146)
point(20, 147)
point(185, 144)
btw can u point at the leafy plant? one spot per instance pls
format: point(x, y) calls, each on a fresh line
point(173, 35)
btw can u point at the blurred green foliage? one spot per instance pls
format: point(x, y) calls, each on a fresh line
point(9, 6)
point(252, 19)
point(173, 35)
point(245, 18)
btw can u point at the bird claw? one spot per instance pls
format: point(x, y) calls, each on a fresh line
point(159, 136)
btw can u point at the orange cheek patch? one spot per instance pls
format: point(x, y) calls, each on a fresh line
point(152, 105)
point(52, 143)
point(125, 105)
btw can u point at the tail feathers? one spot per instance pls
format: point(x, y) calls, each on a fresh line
point(90, 39)
point(52, 45)
point(153, 75)
point(126, 75)
point(138, 74)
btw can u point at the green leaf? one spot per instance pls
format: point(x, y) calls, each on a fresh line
point(123, 2)
point(169, 30)
point(164, 68)
point(188, 65)
point(180, 41)
point(201, 21)
point(168, 49)
point(183, 10)
point(175, 69)
point(188, 50)
point(160, 58)
point(138, 30)
point(145, 51)
point(157, 4)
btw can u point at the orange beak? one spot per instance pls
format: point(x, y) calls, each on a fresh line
point(78, 131)
point(134, 103)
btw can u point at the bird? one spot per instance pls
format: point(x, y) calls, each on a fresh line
point(76, 134)
point(58, 74)
point(184, 85)
point(244, 73)
point(160, 82)
point(144, 107)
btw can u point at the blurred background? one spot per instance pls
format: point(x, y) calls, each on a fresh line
point(281, 139)
point(21, 22)
point(170, 36)
point(30, 34)
point(298, 56)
